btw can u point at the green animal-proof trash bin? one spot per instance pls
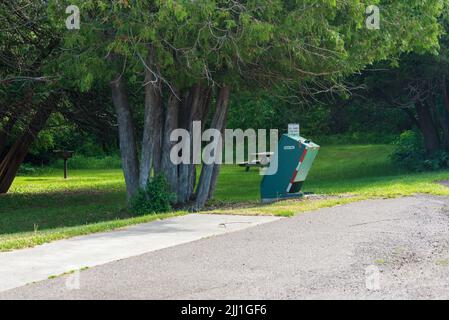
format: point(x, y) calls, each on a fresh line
point(288, 168)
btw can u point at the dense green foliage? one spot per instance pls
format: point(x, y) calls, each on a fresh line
point(249, 44)
point(409, 150)
point(62, 134)
point(156, 198)
point(226, 41)
point(326, 122)
point(409, 153)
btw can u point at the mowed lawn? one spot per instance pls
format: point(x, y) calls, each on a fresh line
point(45, 207)
point(347, 169)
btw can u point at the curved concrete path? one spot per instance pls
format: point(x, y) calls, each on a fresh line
point(21, 267)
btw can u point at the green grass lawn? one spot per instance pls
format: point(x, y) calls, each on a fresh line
point(44, 207)
point(347, 169)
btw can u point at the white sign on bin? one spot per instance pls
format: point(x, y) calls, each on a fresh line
point(293, 129)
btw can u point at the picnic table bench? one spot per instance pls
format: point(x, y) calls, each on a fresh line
point(260, 159)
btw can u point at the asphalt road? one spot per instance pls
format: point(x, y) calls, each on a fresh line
point(332, 253)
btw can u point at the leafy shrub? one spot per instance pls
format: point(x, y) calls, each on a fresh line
point(156, 198)
point(409, 150)
point(410, 154)
point(440, 160)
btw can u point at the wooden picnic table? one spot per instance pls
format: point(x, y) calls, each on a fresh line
point(259, 159)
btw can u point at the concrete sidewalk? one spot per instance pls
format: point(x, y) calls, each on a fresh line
point(21, 267)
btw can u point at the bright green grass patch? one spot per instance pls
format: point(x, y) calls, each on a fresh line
point(50, 180)
point(350, 169)
point(334, 168)
point(44, 207)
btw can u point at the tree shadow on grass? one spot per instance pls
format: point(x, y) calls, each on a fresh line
point(28, 212)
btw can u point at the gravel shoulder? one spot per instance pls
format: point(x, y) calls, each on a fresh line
point(326, 254)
